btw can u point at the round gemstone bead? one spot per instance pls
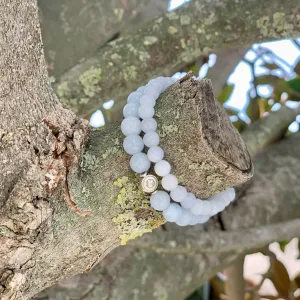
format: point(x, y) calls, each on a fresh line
point(179, 193)
point(188, 201)
point(202, 208)
point(229, 194)
point(160, 200)
point(173, 212)
point(196, 208)
point(185, 218)
point(140, 163)
point(141, 89)
point(152, 91)
point(162, 168)
point(151, 139)
point(133, 144)
point(148, 100)
point(155, 154)
point(146, 111)
point(202, 219)
point(149, 125)
point(134, 97)
point(169, 182)
point(131, 109)
point(131, 126)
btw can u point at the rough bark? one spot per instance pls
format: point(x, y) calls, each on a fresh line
point(45, 142)
point(171, 264)
point(74, 30)
point(183, 35)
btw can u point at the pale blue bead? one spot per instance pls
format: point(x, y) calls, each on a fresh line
point(140, 163)
point(134, 97)
point(185, 218)
point(173, 212)
point(197, 207)
point(141, 89)
point(155, 154)
point(148, 100)
point(229, 194)
point(194, 220)
point(215, 207)
point(133, 144)
point(188, 201)
point(202, 208)
point(146, 111)
point(162, 168)
point(151, 91)
point(202, 219)
point(151, 139)
point(131, 126)
point(131, 109)
point(179, 193)
point(169, 182)
point(160, 200)
point(149, 125)
point(198, 219)
point(156, 85)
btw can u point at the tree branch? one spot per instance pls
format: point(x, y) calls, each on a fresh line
point(180, 36)
point(74, 30)
point(206, 151)
point(145, 273)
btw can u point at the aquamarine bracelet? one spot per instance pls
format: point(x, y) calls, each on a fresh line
point(176, 203)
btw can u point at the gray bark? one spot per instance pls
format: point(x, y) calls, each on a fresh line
point(195, 29)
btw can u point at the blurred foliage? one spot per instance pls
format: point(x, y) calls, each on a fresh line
point(285, 86)
point(285, 287)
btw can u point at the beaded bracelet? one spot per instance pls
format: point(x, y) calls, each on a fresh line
point(179, 205)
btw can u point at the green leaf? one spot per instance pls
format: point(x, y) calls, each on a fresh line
point(297, 67)
point(270, 66)
point(225, 93)
point(294, 84)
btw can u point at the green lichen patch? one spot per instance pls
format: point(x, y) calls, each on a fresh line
point(204, 166)
point(185, 20)
point(63, 90)
point(90, 80)
point(172, 30)
point(150, 40)
point(182, 43)
point(112, 152)
point(89, 161)
point(167, 130)
point(172, 15)
point(6, 138)
point(263, 24)
point(136, 217)
point(279, 21)
point(130, 73)
point(216, 182)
